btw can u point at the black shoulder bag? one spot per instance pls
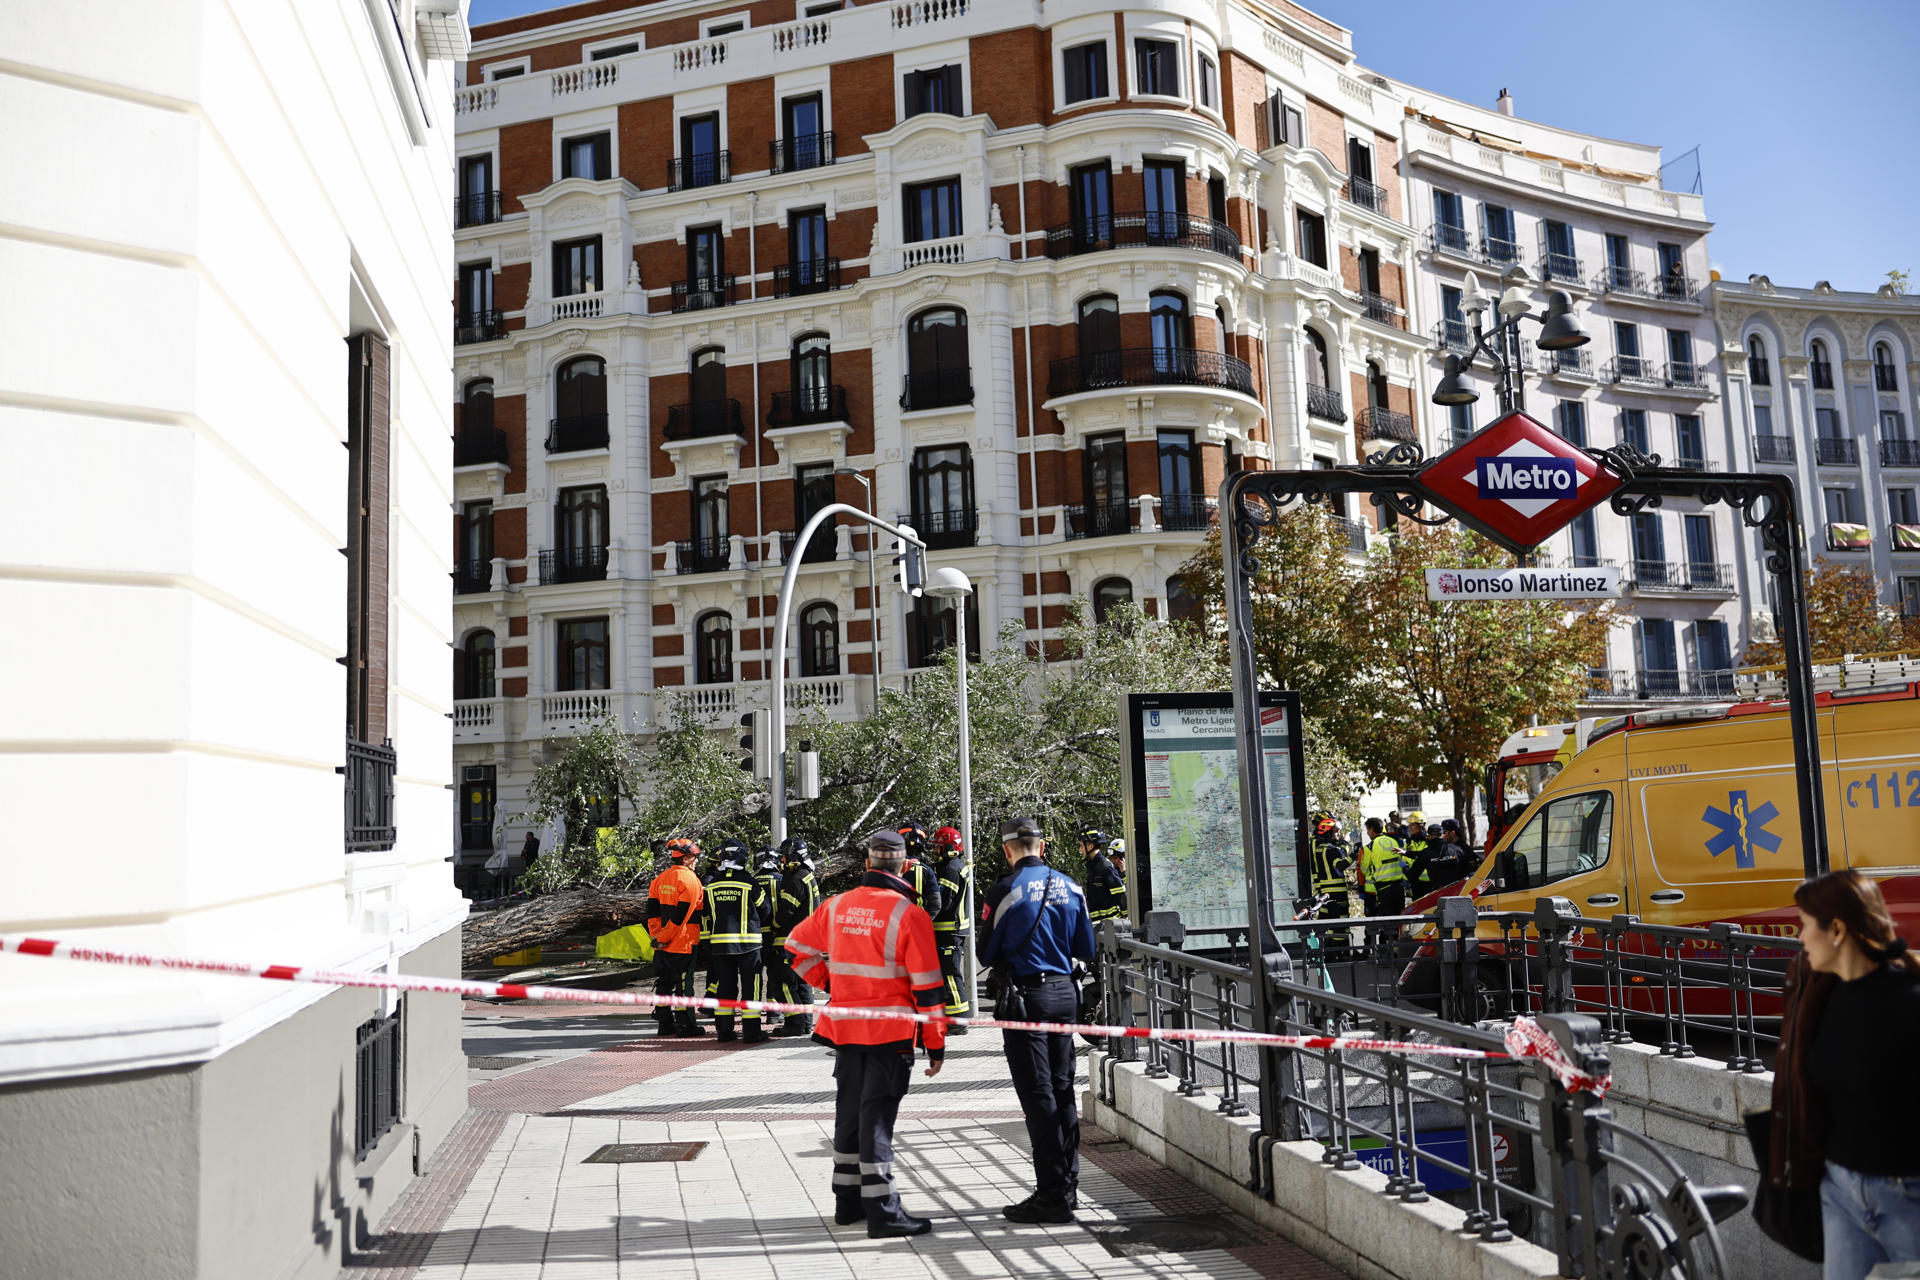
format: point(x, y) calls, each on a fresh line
point(1009, 1001)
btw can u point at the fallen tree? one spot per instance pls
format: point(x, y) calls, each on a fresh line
point(570, 912)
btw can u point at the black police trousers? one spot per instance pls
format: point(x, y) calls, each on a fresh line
point(673, 976)
point(735, 975)
point(869, 1084)
point(1042, 1065)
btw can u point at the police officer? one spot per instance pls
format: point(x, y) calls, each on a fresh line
point(1034, 925)
point(1331, 863)
point(673, 921)
point(953, 925)
point(1106, 887)
point(799, 896)
point(874, 948)
point(734, 921)
point(918, 872)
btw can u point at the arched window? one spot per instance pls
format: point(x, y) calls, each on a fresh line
point(713, 648)
point(1107, 594)
point(812, 378)
point(1318, 374)
point(476, 405)
point(1182, 605)
point(579, 406)
point(1757, 371)
point(1171, 325)
point(1884, 377)
point(939, 371)
point(1099, 333)
point(473, 673)
point(708, 412)
point(1821, 368)
point(819, 640)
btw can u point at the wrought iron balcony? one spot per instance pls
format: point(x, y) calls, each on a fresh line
point(480, 447)
point(1378, 423)
point(1613, 279)
point(700, 419)
point(572, 564)
point(1685, 375)
point(1900, 453)
point(1822, 371)
point(1575, 363)
point(823, 546)
point(809, 275)
point(1672, 286)
point(1379, 308)
point(1634, 369)
point(701, 293)
point(1149, 366)
point(476, 208)
point(947, 529)
point(470, 576)
point(1759, 371)
point(1188, 513)
point(1665, 576)
point(1099, 519)
point(807, 151)
point(1772, 448)
point(1836, 451)
point(937, 388)
point(369, 773)
point(702, 555)
point(1885, 378)
point(1560, 268)
point(1687, 462)
point(1453, 335)
point(478, 326)
point(1499, 253)
point(1325, 403)
point(808, 405)
point(1099, 232)
point(703, 170)
point(1354, 531)
point(1654, 684)
point(1365, 194)
point(1444, 237)
point(577, 432)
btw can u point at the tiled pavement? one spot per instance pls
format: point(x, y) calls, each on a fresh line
point(510, 1199)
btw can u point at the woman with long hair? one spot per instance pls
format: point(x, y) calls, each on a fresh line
point(1847, 1109)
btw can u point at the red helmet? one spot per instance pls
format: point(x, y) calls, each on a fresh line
point(682, 849)
point(947, 838)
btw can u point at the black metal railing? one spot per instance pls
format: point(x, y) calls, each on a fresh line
point(1685, 375)
point(1688, 462)
point(1768, 448)
point(1354, 531)
point(572, 564)
point(1655, 684)
point(1759, 371)
point(1563, 268)
point(702, 555)
point(378, 1069)
point(1499, 253)
point(1692, 575)
point(1187, 513)
point(1632, 369)
point(1365, 194)
point(699, 419)
point(1836, 451)
point(1614, 279)
point(1575, 362)
point(1098, 232)
point(1672, 286)
point(945, 529)
point(703, 293)
point(479, 447)
point(1377, 423)
point(1099, 519)
point(1325, 403)
point(476, 208)
point(823, 547)
point(478, 326)
point(700, 170)
point(1885, 378)
point(937, 388)
point(808, 405)
point(805, 151)
point(809, 275)
point(1378, 307)
point(1453, 335)
point(1444, 237)
point(1822, 374)
point(1148, 366)
point(577, 432)
point(1900, 453)
point(369, 773)
point(470, 576)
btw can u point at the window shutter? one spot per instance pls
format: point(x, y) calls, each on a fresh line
point(1076, 74)
point(916, 92)
point(369, 445)
point(950, 81)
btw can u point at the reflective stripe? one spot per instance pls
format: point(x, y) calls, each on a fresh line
point(805, 950)
point(890, 950)
point(847, 969)
point(924, 979)
point(945, 926)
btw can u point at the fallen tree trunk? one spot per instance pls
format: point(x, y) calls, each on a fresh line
point(555, 915)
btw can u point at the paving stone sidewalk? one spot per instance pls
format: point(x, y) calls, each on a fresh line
point(510, 1197)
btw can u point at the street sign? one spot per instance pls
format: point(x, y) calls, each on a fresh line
point(1517, 482)
point(1453, 585)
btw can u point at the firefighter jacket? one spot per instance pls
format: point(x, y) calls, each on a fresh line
point(924, 884)
point(769, 884)
point(1106, 889)
point(673, 910)
point(1380, 863)
point(872, 948)
point(799, 896)
point(1331, 863)
point(736, 914)
point(1418, 857)
point(953, 920)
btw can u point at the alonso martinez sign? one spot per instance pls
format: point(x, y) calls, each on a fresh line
point(1523, 584)
point(1518, 483)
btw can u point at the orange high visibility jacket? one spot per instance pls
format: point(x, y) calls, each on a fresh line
point(673, 910)
point(873, 948)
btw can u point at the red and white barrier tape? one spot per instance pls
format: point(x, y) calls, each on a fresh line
point(1526, 1038)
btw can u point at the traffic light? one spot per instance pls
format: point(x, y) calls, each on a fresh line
point(756, 742)
point(910, 573)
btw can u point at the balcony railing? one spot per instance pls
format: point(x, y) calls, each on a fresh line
point(1149, 366)
point(1667, 575)
point(1377, 423)
point(1637, 369)
point(823, 547)
point(1836, 451)
point(701, 419)
point(572, 564)
point(1845, 535)
point(1688, 462)
point(577, 432)
point(1563, 268)
point(1655, 684)
point(1822, 374)
point(479, 447)
point(809, 275)
point(1900, 453)
point(1365, 194)
point(476, 208)
point(1574, 363)
point(808, 405)
point(1099, 519)
point(369, 773)
point(1772, 448)
point(1885, 379)
point(470, 576)
point(807, 151)
point(686, 172)
point(1685, 375)
point(1454, 336)
point(937, 388)
point(1378, 307)
point(1354, 531)
point(1672, 286)
point(1444, 237)
point(944, 530)
point(1120, 230)
point(1325, 403)
point(702, 293)
point(1759, 371)
point(1499, 253)
point(478, 326)
point(1187, 513)
point(702, 555)
point(1614, 279)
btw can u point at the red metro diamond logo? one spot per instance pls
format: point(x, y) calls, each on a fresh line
point(1517, 482)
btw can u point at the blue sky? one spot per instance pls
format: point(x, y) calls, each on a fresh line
point(1806, 115)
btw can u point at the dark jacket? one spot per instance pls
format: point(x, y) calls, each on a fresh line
point(735, 914)
point(1797, 1153)
point(953, 920)
point(799, 895)
point(925, 882)
point(1106, 888)
point(1012, 937)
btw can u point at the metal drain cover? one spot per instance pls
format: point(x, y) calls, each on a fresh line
point(1176, 1233)
point(645, 1152)
point(490, 1062)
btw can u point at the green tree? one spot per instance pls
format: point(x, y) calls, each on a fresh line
point(1844, 616)
point(1899, 280)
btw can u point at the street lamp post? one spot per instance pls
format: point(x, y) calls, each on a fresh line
point(953, 585)
point(873, 597)
point(1559, 331)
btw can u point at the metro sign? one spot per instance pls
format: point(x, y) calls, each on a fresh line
point(1517, 482)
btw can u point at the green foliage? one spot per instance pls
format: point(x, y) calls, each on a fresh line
point(1844, 616)
point(1899, 280)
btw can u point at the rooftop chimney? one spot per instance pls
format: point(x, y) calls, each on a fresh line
point(1504, 104)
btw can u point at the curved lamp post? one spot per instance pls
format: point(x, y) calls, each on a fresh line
point(951, 584)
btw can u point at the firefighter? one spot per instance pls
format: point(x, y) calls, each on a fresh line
point(799, 896)
point(1106, 886)
point(1418, 854)
point(875, 950)
point(918, 872)
point(953, 926)
point(766, 874)
point(1331, 864)
point(673, 921)
point(736, 850)
point(733, 922)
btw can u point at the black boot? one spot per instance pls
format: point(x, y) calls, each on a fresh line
point(725, 1028)
point(848, 1210)
point(754, 1035)
point(1035, 1209)
point(901, 1223)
